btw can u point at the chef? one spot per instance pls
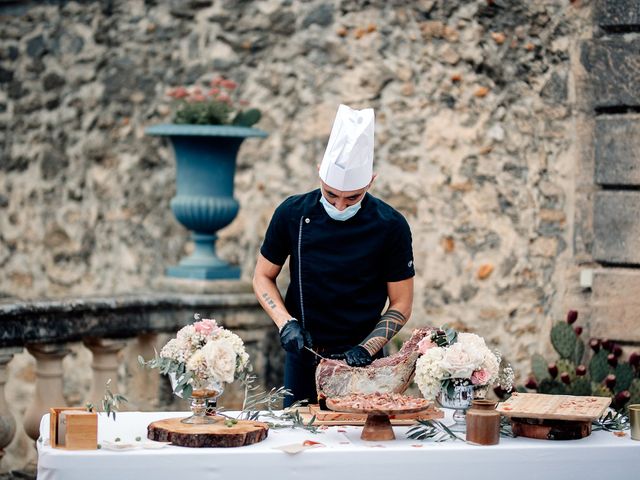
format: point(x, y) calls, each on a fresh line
point(350, 262)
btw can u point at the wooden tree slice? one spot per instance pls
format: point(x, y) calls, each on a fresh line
point(217, 434)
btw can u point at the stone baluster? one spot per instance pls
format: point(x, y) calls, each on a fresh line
point(143, 382)
point(7, 422)
point(104, 365)
point(49, 385)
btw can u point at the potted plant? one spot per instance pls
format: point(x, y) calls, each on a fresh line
point(209, 126)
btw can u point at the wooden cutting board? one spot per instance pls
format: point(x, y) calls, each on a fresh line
point(329, 417)
point(217, 434)
point(554, 407)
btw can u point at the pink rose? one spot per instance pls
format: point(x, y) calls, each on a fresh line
point(206, 326)
point(480, 377)
point(424, 345)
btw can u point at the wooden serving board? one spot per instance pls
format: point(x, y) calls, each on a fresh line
point(554, 407)
point(329, 417)
point(217, 434)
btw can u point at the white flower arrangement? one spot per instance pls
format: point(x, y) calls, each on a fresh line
point(201, 353)
point(449, 358)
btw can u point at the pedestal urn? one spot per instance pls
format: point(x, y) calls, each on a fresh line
point(204, 203)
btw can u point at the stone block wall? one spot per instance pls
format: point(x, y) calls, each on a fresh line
point(474, 140)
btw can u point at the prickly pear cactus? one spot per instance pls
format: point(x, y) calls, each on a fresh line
point(563, 339)
point(578, 353)
point(634, 390)
point(580, 386)
point(552, 387)
point(598, 366)
point(599, 390)
point(624, 375)
point(567, 366)
point(539, 367)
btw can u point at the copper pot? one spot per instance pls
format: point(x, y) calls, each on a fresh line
point(483, 423)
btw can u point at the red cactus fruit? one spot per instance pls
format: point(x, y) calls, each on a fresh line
point(566, 379)
point(617, 350)
point(572, 316)
point(581, 370)
point(578, 330)
point(594, 343)
point(531, 384)
point(612, 360)
point(553, 370)
point(610, 381)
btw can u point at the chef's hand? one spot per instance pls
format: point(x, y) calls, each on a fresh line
point(357, 356)
point(293, 337)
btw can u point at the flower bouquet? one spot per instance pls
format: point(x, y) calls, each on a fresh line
point(212, 104)
point(457, 367)
point(199, 361)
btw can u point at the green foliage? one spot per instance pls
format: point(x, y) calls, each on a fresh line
point(563, 339)
point(578, 353)
point(432, 429)
point(110, 402)
point(580, 386)
point(539, 367)
point(552, 387)
point(166, 366)
point(624, 375)
point(247, 118)
point(203, 113)
point(566, 366)
point(634, 390)
point(598, 366)
point(611, 422)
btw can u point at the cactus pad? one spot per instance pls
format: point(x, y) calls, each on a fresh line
point(581, 386)
point(624, 376)
point(598, 366)
point(552, 387)
point(563, 339)
point(634, 390)
point(567, 366)
point(578, 353)
point(539, 367)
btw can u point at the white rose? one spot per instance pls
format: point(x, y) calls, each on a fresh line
point(457, 361)
point(221, 360)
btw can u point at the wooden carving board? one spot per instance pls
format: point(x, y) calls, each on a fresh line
point(554, 407)
point(217, 434)
point(329, 417)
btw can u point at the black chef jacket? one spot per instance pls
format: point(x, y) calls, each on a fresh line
point(339, 269)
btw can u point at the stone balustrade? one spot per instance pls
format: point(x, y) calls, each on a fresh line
point(105, 326)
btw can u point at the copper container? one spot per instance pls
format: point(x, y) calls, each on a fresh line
point(483, 423)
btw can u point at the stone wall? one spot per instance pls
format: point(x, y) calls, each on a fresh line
point(481, 138)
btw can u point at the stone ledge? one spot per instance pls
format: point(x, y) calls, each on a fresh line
point(64, 320)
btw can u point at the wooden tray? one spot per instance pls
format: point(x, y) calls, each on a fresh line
point(553, 407)
point(329, 417)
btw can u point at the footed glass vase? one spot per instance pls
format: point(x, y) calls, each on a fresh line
point(460, 400)
point(202, 399)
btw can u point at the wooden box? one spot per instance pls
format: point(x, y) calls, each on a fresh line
point(73, 429)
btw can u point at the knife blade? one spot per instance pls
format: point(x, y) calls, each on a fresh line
point(315, 353)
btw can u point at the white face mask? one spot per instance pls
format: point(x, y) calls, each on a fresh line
point(340, 215)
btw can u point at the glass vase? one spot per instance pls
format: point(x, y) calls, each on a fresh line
point(459, 400)
point(203, 396)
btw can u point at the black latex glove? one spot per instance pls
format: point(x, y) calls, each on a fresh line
point(293, 337)
point(357, 356)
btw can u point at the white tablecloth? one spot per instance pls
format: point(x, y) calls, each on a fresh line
point(599, 456)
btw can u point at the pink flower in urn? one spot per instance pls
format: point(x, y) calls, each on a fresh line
point(480, 377)
point(424, 345)
point(206, 326)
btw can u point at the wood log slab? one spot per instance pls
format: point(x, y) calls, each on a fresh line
point(217, 434)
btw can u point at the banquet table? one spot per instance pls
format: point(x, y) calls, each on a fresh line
point(342, 455)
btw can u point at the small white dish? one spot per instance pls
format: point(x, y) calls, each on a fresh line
point(118, 446)
point(152, 445)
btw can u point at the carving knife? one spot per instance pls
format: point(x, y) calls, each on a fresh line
point(316, 353)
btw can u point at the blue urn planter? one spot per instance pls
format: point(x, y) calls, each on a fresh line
point(205, 170)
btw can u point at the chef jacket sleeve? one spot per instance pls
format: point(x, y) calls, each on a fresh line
point(399, 258)
point(276, 245)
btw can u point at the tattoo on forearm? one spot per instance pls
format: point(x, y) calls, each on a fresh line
point(389, 324)
point(269, 300)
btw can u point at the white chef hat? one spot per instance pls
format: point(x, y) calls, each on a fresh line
point(348, 160)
